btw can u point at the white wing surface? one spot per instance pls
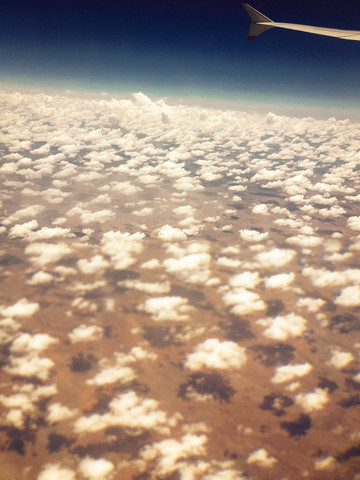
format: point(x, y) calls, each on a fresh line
point(260, 23)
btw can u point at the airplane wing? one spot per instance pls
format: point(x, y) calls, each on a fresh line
point(260, 23)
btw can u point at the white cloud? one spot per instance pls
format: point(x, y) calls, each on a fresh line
point(59, 413)
point(95, 469)
point(170, 234)
point(261, 457)
point(85, 333)
point(22, 308)
point(96, 264)
point(167, 308)
point(312, 401)
point(253, 235)
point(193, 268)
point(43, 253)
point(30, 366)
point(243, 301)
point(340, 359)
point(121, 247)
point(281, 280)
point(24, 229)
point(349, 296)
point(261, 209)
point(26, 343)
point(129, 411)
point(283, 327)
point(289, 372)
point(215, 354)
point(353, 223)
point(275, 258)
point(56, 472)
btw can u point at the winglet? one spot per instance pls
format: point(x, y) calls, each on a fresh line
point(259, 22)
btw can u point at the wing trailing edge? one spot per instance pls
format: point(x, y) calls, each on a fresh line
point(260, 23)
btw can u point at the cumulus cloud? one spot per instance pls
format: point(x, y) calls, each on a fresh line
point(349, 296)
point(58, 413)
point(95, 469)
point(43, 253)
point(171, 308)
point(243, 301)
point(85, 333)
point(283, 327)
point(193, 268)
point(281, 280)
point(22, 308)
point(289, 372)
point(275, 258)
point(170, 234)
point(312, 401)
point(56, 472)
point(26, 343)
point(121, 247)
point(253, 235)
point(129, 411)
point(215, 354)
point(340, 359)
point(261, 457)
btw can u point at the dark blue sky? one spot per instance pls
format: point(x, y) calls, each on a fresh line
point(172, 46)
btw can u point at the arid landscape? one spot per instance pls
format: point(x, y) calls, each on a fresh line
point(180, 292)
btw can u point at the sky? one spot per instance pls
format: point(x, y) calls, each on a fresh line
point(183, 48)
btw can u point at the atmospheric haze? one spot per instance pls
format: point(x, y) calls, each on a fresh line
point(180, 292)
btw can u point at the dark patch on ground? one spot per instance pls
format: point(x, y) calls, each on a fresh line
point(57, 442)
point(299, 427)
point(276, 403)
point(274, 307)
point(17, 445)
point(160, 336)
point(350, 402)
point(102, 404)
point(237, 329)
point(350, 453)
point(120, 275)
point(325, 383)
point(212, 384)
point(234, 217)
point(80, 363)
point(118, 441)
point(350, 383)
point(195, 296)
point(274, 355)
point(344, 323)
point(79, 234)
point(133, 386)
point(237, 206)
point(8, 260)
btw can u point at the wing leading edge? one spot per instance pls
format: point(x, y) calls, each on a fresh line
point(260, 23)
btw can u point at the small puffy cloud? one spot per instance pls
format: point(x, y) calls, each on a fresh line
point(151, 264)
point(340, 359)
point(170, 234)
point(245, 280)
point(96, 264)
point(147, 287)
point(85, 333)
point(261, 209)
point(353, 223)
point(59, 413)
point(324, 278)
point(167, 308)
point(311, 304)
point(31, 211)
point(243, 301)
point(312, 401)
point(43, 253)
point(126, 188)
point(326, 463)
point(56, 472)
point(24, 229)
point(304, 241)
point(349, 296)
point(171, 453)
point(215, 354)
point(281, 280)
point(121, 247)
point(286, 373)
point(185, 210)
point(41, 278)
point(26, 343)
point(22, 308)
point(30, 366)
point(253, 235)
point(129, 411)
point(261, 457)
point(193, 268)
point(283, 327)
point(144, 212)
point(275, 258)
point(95, 469)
